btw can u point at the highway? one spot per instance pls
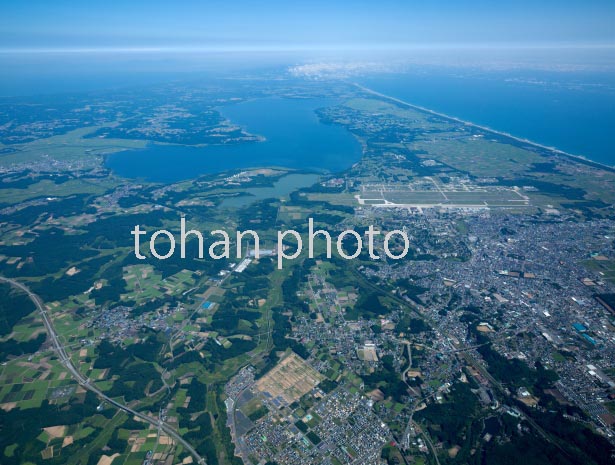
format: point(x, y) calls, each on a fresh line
point(85, 382)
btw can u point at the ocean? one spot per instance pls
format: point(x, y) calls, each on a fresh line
point(571, 111)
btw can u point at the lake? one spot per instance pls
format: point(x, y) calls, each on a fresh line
point(295, 138)
point(280, 189)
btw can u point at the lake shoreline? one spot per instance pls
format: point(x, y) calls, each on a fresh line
point(293, 138)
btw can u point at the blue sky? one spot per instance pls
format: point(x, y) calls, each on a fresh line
point(240, 24)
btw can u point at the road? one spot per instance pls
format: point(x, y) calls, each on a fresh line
point(409, 367)
point(85, 382)
point(427, 440)
point(461, 352)
point(470, 360)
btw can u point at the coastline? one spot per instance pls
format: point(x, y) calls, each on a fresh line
point(553, 150)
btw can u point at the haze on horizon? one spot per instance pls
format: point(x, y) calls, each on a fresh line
point(48, 47)
point(243, 25)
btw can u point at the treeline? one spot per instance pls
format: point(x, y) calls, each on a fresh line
point(388, 380)
point(247, 288)
point(576, 443)
point(407, 324)
point(219, 354)
point(68, 206)
point(515, 373)
point(14, 305)
point(411, 290)
point(292, 284)
point(298, 198)
point(17, 348)
point(203, 426)
point(21, 427)
point(134, 375)
point(368, 306)
point(260, 215)
point(450, 422)
point(281, 323)
point(54, 250)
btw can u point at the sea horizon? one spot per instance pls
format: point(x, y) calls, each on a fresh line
point(583, 132)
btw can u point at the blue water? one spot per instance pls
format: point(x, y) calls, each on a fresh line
point(295, 138)
point(572, 111)
point(281, 188)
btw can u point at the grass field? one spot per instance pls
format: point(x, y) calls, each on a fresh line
point(145, 284)
point(606, 268)
point(47, 188)
point(70, 147)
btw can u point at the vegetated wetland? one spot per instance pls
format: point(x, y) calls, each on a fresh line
point(280, 188)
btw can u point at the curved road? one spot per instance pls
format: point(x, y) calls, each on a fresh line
point(85, 382)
